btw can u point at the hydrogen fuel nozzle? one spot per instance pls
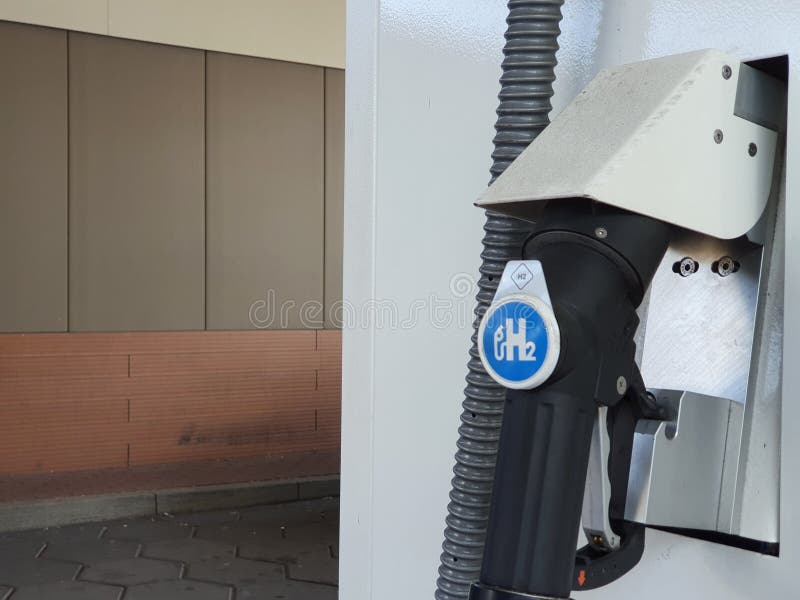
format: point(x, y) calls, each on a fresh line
point(613, 187)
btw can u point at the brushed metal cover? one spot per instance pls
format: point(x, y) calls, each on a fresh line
point(641, 137)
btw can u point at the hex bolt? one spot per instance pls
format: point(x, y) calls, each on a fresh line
point(727, 72)
point(725, 266)
point(752, 149)
point(601, 232)
point(622, 385)
point(718, 136)
point(685, 266)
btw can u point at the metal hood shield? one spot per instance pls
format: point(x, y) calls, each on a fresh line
point(688, 139)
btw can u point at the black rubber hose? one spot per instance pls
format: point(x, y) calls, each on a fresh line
point(526, 89)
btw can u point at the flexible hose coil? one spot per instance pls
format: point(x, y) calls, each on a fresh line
point(526, 89)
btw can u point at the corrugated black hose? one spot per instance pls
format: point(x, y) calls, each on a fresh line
point(526, 89)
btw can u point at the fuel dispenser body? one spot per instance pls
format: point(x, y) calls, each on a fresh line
point(639, 334)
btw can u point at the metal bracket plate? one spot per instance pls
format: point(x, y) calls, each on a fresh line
point(718, 340)
point(676, 479)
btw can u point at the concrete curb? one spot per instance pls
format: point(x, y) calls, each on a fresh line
point(58, 512)
point(15, 516)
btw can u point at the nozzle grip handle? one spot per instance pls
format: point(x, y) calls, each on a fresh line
point(538, 489)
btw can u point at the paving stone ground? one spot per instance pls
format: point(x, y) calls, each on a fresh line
point(277, 552)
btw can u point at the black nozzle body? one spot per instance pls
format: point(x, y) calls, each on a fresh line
point(598, 263)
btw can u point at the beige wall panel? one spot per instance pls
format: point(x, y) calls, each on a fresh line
point(307, 31)
point(334, 193)
point(79, 15)
point(265, 171)
point(136, 186)
point(33, 178)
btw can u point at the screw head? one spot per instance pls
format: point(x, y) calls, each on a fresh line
point(718, 136)
point(727, 72)
point(686, 266)
point(601, 232)
point(752, 149)
point(622, 385)
point(725, 266)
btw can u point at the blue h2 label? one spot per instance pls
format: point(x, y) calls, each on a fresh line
point(514, 341)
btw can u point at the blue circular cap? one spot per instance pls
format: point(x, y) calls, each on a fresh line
point(515, 344)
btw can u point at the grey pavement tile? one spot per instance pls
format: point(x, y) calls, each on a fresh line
point(131, 571)
point(325, 531)
point(23, 570)
point(235, 571)
point(188, 550)
point(179, 590)
point(287, 590)
point(300, 529)
point(69, 590)
point(73, 533)
point(147, 530)
point(20, 547)
point(237, 532)
point(286, 552)
point(285, 539)
point(317, 565)
point(213, 517)
point(294, 512)
point(90, 552)
point(303, 561)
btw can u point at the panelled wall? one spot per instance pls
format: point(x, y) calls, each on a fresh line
point(148, 195)
point(265, 139)
point(149, 187)
point(33, 178)
point(136, 185)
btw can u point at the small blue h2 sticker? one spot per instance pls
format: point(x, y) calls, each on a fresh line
point(515, 341)
point(519, 341)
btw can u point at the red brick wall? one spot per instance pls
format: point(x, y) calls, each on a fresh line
point(85, 401)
